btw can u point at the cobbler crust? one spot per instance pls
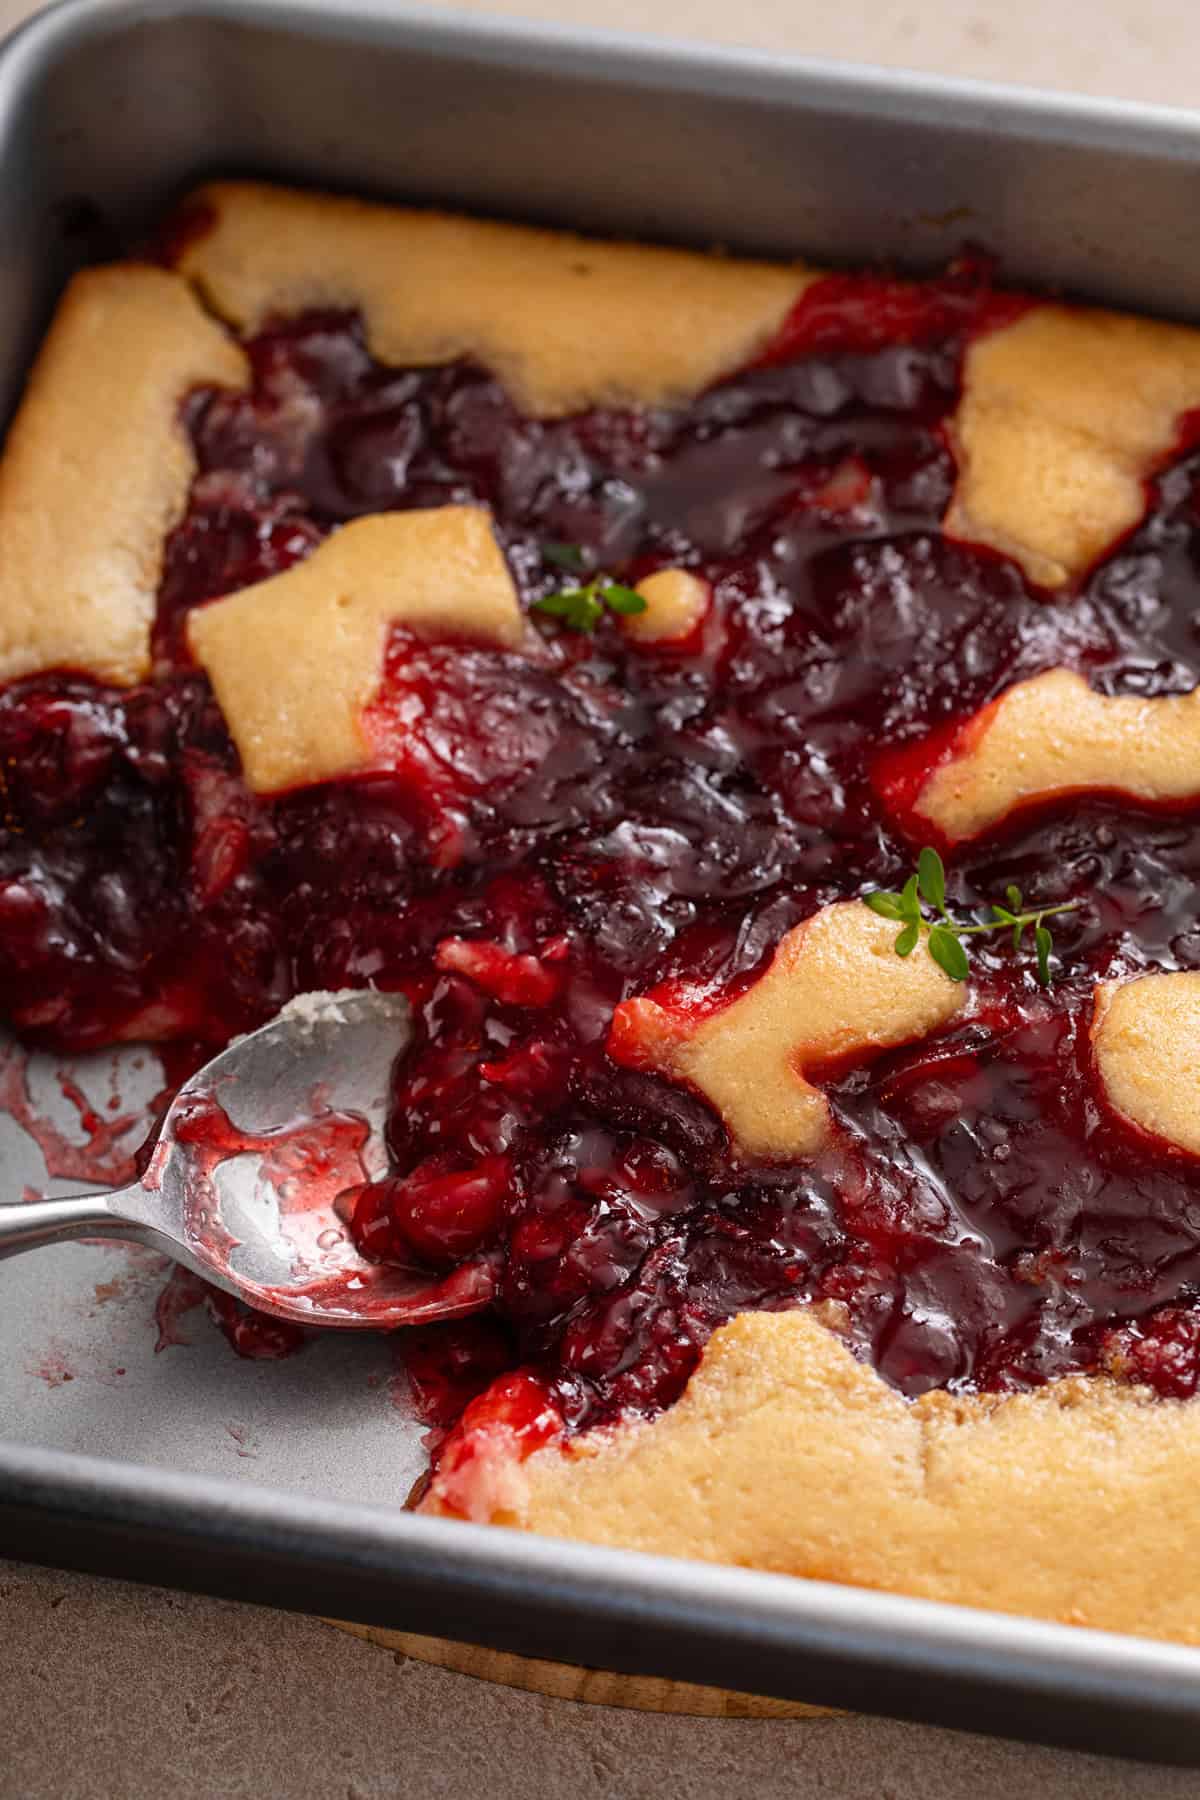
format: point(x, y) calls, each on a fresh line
point(834, 988)
point(676, 601)
point(1054, 736)
point(295, 660)
point(1146, 1042)
point(96, 471)
point(565, 322)
point(1063, 417)
point(1076, 1502)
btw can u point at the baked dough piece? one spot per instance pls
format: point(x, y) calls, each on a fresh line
point(294, 660)
point(676, 601)
point(96, 471)
point(1146, 1042)
point(1053, 736)
point(565, 322)
point(1077, 1502)
point(835, 988)
point(1063, 417)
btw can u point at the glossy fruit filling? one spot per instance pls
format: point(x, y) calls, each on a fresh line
point(543, 839)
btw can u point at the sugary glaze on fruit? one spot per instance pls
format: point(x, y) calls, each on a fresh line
point(547, 836)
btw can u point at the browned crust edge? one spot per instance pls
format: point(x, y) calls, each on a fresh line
point(295, 659)
point(1052, 736)
point(96, 471)
point(1077, 1502)
point(1064, 415)
point(566, 322)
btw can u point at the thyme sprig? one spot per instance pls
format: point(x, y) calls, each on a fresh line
point(943, 933)
point(581, 608)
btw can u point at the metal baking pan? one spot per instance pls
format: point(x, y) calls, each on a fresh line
point(281, 1481)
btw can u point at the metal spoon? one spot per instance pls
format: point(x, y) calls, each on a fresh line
point(249, 1162)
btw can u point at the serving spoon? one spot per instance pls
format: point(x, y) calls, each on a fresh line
point(243, 1181)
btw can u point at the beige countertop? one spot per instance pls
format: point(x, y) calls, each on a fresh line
point(115, 1691)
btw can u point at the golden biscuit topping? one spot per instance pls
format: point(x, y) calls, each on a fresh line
point(1054, 736)
point(1064, 415)
point(96, 471)
point(565, 322)
point(295, 660)
point(1146, 1041)
point(834, 989)
point(676, 601)
point(785, 1453)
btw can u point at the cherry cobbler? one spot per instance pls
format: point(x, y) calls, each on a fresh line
point(753, 715)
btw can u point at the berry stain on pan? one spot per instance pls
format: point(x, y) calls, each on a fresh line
point(105, 1154)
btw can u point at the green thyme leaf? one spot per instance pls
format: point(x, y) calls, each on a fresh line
point(582, 608)
point(621, 599)
point(947, 952)
point(931, 877)
point(565, 556)
point(888, 906)
point(558, 605)
point(927, 888)
point(576, 607)
point(586, 613)
point(1002, 916)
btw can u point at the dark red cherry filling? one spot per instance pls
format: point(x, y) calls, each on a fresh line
point(545, 837)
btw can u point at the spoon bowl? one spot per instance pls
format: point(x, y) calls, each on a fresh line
point(246, 1180)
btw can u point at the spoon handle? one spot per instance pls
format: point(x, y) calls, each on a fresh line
point(33, 1223)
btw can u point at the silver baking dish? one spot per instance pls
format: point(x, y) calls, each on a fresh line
point(280, 1482)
